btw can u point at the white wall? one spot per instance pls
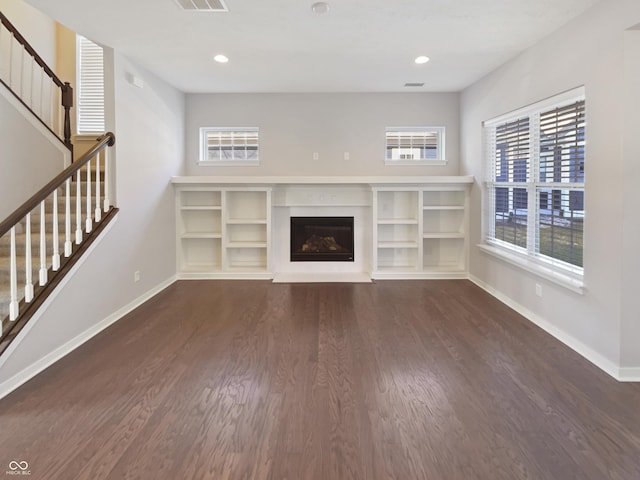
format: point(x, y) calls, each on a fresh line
point(630, 345)
point(293, 126)
point(37, 28)
point(149, 128)
point(30, 156)
point(588, 51)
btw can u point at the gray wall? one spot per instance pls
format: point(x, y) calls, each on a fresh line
point(588, 51)
point(28, 157)
point(149, 128)
point(293, 126)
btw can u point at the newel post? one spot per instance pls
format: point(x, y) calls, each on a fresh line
point(67, 103)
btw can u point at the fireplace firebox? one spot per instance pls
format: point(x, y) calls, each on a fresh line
point(322, 239)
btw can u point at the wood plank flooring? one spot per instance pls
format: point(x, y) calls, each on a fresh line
point(391, 380)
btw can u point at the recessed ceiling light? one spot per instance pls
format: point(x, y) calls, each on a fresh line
point(421, 59)
point(320, 7)
point(221, 58)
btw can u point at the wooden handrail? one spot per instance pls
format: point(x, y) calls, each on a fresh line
point(65, 87)
point(30, 49)
point(106, 140)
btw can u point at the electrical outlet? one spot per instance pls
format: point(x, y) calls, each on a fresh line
point(538, 290)
point(347, 156)
point(316, 156)
point(136, 276)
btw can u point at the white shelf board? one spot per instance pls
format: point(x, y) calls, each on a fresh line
point(442, 235)
point(246, 245)
point(246, 221)
point(201, 207)
point(397, 221)
point(443, 207)
point(329, 180)
point(201, 235)
point(397, 245)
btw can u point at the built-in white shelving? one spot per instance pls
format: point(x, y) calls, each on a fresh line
point(419, 231)
point(224, 224)
point(222, 232)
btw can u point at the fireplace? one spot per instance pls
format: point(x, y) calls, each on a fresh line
point(322, 239)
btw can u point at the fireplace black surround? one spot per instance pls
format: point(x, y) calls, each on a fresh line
point(322, 239)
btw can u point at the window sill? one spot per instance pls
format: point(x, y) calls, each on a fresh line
point(422, 163)
point(567, 281)
point(237, 163)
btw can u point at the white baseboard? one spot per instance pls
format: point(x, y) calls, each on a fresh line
point(600, 361)
point(630, 374)
point(35, 368)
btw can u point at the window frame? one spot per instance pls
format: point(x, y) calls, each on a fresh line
point(530, 257)
point(440, 159)
point(204, 160)
point(94, 106)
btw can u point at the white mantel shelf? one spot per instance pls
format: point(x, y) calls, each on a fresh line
point(330, 180)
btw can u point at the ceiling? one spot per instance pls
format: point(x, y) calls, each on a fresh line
point(282, 46)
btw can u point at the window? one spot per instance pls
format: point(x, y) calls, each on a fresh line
point(535, 187)
point(90, 87)
point(414, 146)
point(229, 146)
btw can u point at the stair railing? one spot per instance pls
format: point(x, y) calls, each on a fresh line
point(33, 83)
point(85, 210)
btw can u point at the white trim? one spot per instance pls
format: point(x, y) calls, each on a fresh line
point(629, 374)
point(525, 262)
point(560, 99)
point(420, 181)
point(599, 360)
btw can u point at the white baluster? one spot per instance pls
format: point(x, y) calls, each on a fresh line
point(98, 214)
point(28, 284)
point(67, 218)
point(43, 246)
point(13, 278)
point(106, 180)
point(89, 225)
point(55, 258)
point(11, 42)
point(78, 208)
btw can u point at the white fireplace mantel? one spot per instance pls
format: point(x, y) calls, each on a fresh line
point(326, 180)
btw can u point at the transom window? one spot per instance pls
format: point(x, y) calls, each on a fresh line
point(414, 145)
point(535, 187)
point(226, 145)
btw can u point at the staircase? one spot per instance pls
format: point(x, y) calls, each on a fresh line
point(50, 249)
point(42, 240)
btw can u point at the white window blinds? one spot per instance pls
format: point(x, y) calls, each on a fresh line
point(90, 87)
point(535, 187)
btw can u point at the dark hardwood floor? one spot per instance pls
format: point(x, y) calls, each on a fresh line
point(392, 380)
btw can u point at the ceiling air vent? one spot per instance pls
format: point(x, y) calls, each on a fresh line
point(414, 84)
point(203, 5)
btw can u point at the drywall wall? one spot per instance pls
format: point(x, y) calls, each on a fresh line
point(30, 155)
point(630, 337)
point(35, 26)
point(588, 51)
point(294, 126)
point(149, 128)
